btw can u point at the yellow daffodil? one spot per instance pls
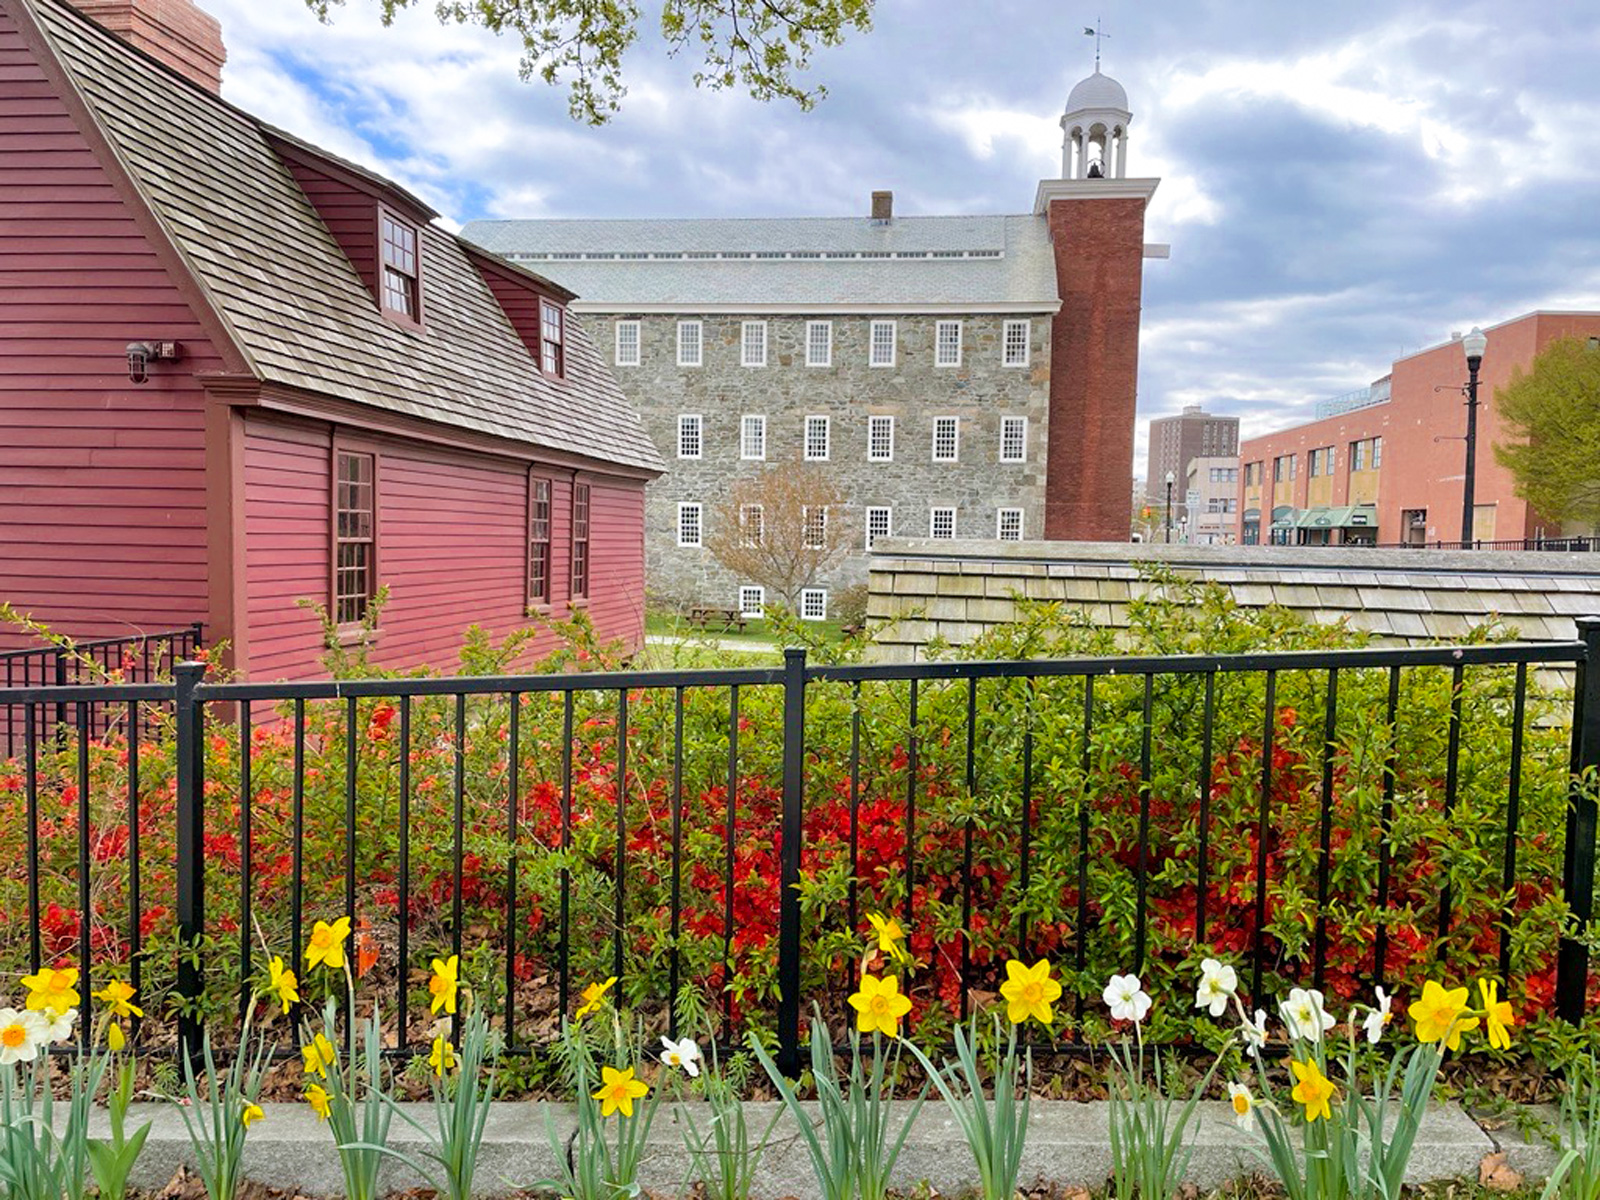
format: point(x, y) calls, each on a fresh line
point(1439, 1014)
point(879, 1005)
point(1029, 992)
point(115, 1038)
point(282, 986)
point(592, 996)
point(319, 1056)
point(888, 931)
point(443, 985)
point(618, 1091)
point(317, 1097)
point(1497, 1014)
point(251, 1114)
point(326, 948)
point(117, 997)
point(1313, 1090)
point(443, 1057)
point(52, 991)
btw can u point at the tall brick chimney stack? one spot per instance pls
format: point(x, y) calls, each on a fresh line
point(185, 38)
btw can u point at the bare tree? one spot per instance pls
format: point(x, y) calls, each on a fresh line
point(782, 529)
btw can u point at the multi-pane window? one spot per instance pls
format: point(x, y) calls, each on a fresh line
point(354, 535)
point(627, 343)
point(816, 439)
point(752, 524)
point(814, 522)
point(819, 343)
point(1013, 439)
point(753, 437)
point(1008, 524)
point(881, 342)
point(946, 439)
point(1252, 474)
point(689, 343)
point(752, 601)
point(753, 344)
point(538, 540)
point(813, 604)
point(947, 344)
point(1283, 468)
point(1358, 456)
point(689, 527)
point(1015, 343)
point(400, 275)
point(1322, 461)
point(691, 435)
point(550, 352)
point(880, 524)
point(580, 541)
point(1377, 453)
point(880, 439)
point(942, 523)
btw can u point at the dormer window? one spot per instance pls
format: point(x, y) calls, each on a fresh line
point(402, 294)
point(550, 355)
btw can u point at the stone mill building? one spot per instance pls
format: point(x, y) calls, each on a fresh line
point(956, 376)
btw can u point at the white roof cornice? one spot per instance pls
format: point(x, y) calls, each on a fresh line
point(1092, 189)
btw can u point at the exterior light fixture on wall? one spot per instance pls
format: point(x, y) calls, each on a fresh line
point(142, 354)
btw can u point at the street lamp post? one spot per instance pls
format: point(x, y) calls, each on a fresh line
point(1170, 481)
point(1474, 344)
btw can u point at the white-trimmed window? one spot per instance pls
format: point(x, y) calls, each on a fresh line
point(816, 439)
point(689, 525)
point(752, 601)
point(942, 523)
point(813, 604)
point(689, 344)
point(947, 344)
point(814, 521)
point(819, 343)
point(627, 343)
point(691, 435)
point(946, 439)
point(752, 524)
point(880, 439)
point(1008, 524)
point(881, 342)
point(753, 344)
point(1013, 439)
point(1018, 335)
point(880, 524)
point(753, 437)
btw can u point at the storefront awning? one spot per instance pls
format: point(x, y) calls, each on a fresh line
point(1348, 516)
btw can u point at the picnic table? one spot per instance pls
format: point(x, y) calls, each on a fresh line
point(724, 618)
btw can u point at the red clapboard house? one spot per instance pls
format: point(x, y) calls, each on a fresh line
point(236, 372)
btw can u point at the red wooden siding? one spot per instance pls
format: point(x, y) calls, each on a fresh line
point(521, 305)
point(451, 549)
point(102, 488)
point(350, 215)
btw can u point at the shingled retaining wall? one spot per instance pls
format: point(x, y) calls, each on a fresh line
point(954, 590)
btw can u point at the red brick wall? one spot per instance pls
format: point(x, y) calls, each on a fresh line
point(177, 32)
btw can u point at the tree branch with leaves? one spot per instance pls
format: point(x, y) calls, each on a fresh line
point(783, 529)
point(1552, 411)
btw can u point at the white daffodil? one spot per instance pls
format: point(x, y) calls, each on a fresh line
point(1304, 1014)
point(1217, 986)
point(61, 1027)
point(1126, 998)
point(684, 1054)
point(21, 1035)
point(1254, 1034)
point(1244, 1105)
point(1378, 1017)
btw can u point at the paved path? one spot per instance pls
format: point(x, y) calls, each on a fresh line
point(672, 639)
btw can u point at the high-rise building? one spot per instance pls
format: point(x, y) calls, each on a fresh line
point(1176, 441)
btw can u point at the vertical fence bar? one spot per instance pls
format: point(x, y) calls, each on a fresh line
point(1027, 822)
point(1083, 840)
point(245, 791)
point(966, 842)
point(620, 915)
point(1391, 767)
point(1577, 878)
point(730, 823)
point(135, 903)
point(1325, 850)
point(190, 838)
point(1263, 831)
point(297, 840)
point(1508, 878)
point(1452, 783)
point(794, 751)
point(911, 810)
point(677, 859)
point(459, 820)
point(85, 909)
point(565, 988)
point(350, 820)
point(30, 741)
point(1144, 828)
point(855, 800)
point(403, 968)
point(1203, 864)
point(513, 802)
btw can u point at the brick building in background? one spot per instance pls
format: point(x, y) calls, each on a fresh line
point(1177, 441)
point(956, 377)
point(1385, 465)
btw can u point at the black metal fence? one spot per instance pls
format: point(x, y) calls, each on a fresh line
point(1021, 751)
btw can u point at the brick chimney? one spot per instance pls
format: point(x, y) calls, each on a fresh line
point(175, 31)
point(883, 206)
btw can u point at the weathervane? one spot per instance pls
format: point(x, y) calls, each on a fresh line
point(1096, 31)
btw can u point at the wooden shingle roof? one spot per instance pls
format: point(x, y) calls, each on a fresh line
point(298, 312)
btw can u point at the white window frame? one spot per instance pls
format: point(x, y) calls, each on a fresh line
point(877, 421)
point(686, 508)
point(933, 522)
point(698, 330)
point(1005, 343)
point(827, 438)
point(813, 604)
point(1000, 515)
point(938, 344)
point(826, 360)
point(888, 523)
point(806, 512)
point(752, 600)
point(747, 423)
point(872, 343)
point(638, 344)
point(746, 357)
point(759, 514)
point(955, 440)
point(1022, 454)
point(694, 425)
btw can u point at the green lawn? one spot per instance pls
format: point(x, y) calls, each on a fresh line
point(759, 633)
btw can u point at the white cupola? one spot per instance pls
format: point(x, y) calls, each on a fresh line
point(1094, 143)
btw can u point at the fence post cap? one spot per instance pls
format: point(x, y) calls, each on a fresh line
point(1588, 625)
point(791, 653)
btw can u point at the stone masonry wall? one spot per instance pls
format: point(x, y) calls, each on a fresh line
point(786, 391)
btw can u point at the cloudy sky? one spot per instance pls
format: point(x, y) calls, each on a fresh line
point(1337, 190)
